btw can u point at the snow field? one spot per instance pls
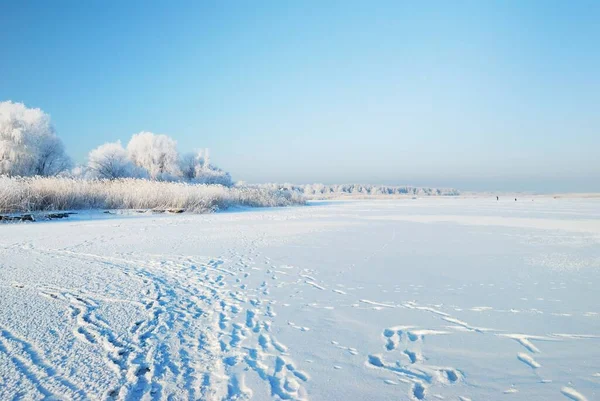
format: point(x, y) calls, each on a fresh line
point(455, 299)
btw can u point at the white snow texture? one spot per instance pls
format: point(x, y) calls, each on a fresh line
point(428, 299)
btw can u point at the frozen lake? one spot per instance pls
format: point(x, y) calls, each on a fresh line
point(427, 299)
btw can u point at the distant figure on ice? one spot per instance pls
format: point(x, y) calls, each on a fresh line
point(497, 198)
point(515, 199)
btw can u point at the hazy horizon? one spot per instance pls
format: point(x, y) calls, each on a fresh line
point(543, 188)
point(476, 96)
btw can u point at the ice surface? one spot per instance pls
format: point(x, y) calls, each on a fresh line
point(425, 299)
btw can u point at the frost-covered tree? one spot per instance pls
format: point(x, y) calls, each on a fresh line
point(205, 158)
point(28, 144)
point(157, 154)
point(207, 173)
point(187, 164)
point(213, 175)
point(111, 161)
point(197, 169)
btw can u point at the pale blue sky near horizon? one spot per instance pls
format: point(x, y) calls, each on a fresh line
point(477, 95)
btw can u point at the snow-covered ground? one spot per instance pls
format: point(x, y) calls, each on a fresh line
point(449, 299)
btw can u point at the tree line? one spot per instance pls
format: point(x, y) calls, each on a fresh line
point(29, 146)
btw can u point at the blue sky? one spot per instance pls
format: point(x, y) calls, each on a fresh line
point(479, 95)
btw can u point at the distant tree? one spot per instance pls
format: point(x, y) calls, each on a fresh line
point(318, 189)
point(196, 168)
point(111, 161)
point(157, 154)
point(28, 144)
point(193, 164)
point(187, 165)
point(213, 175)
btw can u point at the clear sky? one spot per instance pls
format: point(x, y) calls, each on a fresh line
point(478, 95)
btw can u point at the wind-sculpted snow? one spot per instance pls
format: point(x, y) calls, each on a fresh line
point(334, 301)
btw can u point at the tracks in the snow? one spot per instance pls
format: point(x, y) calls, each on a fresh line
point(406, 342)
point(199, 332)
point(29, 361)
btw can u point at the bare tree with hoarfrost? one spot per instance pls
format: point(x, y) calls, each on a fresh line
point(111, 161)
point(157, 154)
point(213, 175)
point(187, 164)
point(196, 168)
point(28, 144)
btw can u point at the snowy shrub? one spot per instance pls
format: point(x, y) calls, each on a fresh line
point(192, 165)
point(19, 194)
point(196, 168)
point(78, 171)
point(213, 175)
point(157, 154)
point(111, 161)
point(28, 143)
point(187, 165)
